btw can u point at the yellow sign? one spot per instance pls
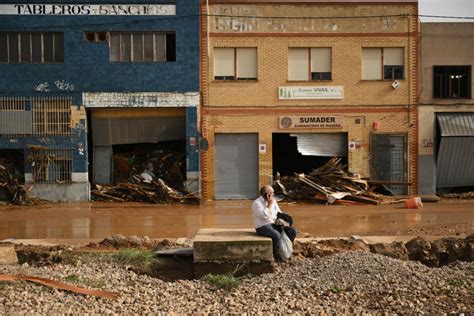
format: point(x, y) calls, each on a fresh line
point(310, 121)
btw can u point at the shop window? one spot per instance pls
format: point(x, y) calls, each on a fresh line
point(235, 64)
point(310, 64)
point(31, 47)
point(382, 63)
point(51, 165)
point(452, 82)
point(142, 47)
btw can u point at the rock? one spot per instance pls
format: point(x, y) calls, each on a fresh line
point(8, 255)
point(470, 238)
point(420, 249)
point(451, 249)
point(396, 250)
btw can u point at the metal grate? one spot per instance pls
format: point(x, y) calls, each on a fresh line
point(51, 165)
point(51, 116)
point(14, 120)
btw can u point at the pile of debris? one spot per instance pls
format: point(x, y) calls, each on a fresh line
point(461, 195)
point(150, 178)
point(330, 184)
point(14, 191)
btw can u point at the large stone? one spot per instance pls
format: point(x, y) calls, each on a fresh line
point(8, 255)
point(231, 251)
point(420, 249)
point(395, 250)
point(231, 244)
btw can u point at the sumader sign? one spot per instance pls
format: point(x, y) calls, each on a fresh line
point(310, 121)
point(87, 9)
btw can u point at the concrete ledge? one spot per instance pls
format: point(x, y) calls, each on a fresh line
point(218, 245)
point(58, 192)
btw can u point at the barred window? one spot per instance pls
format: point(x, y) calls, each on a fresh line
point(31, 47)
point(51, 116)
point(142, 47)
point(51, 165)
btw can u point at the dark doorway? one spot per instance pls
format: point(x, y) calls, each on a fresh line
point(14, 161)
point(289, 159)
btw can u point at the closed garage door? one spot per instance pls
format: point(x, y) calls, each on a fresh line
point(236, 166)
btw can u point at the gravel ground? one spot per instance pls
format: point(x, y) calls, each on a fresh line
point(353, 282)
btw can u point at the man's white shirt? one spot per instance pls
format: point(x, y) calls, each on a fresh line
point(262, 215)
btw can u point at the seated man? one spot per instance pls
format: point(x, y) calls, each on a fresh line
point(265, 209)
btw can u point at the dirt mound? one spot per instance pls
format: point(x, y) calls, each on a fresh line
point(120, 241)
point(329, 247)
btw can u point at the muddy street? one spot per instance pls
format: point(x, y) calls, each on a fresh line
point(99, 220)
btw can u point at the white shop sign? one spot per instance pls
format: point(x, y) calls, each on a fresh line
point(139, 99)
point(310, 93)
point(88, 9)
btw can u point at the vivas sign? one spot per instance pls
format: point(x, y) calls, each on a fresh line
point(310, 93)
point(87, 9)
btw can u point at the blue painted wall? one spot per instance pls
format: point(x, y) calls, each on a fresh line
point(87, 65)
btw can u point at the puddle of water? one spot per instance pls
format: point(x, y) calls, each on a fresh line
point(99, 220)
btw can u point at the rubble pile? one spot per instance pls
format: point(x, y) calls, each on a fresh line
point(333, 185)
point(151, 178)
point(14, 191)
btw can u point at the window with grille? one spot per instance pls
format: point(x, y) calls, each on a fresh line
point(310, 64)
point(14, 119)
point(142, 47)
point(51, 165)
point(382, 63)
point(452, 82)
point(235, 64)
point(31, 47)
point(51, 116)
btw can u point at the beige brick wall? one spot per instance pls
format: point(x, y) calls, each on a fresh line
point(254, 107)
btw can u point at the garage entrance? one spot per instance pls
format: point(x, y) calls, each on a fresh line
point(301, 153)
point(455, 149)
point(126, 142)
point(236, 166)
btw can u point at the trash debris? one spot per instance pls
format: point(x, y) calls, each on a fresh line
point(461, 196)
point(59, 285)
point(413, 202)
point(16, 193)
point(330, 184)
point(155, 177)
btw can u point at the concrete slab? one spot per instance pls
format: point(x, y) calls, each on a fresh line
point(214, 245)
point(8, 255)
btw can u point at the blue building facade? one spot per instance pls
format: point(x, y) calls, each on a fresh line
point(81, 80)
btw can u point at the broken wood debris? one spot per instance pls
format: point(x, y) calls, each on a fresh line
point(15, 192)
point(154, 177)
point(330, 184)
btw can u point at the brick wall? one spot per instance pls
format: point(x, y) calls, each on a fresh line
point(254, 107)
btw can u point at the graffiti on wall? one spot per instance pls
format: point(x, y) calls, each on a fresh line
point(60, 85)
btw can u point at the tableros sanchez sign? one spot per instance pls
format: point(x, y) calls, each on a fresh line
point(87, 9)
point(310, 121)
point(310, 93)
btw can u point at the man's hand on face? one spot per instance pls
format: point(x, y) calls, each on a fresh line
point(270, 197)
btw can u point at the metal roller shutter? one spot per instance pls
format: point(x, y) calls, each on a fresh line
point(455, 166)
point(322, 144)
point(236, 166)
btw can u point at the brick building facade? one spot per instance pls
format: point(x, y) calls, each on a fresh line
point(268, 64)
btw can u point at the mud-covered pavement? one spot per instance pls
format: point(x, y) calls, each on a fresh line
point(99, 220)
